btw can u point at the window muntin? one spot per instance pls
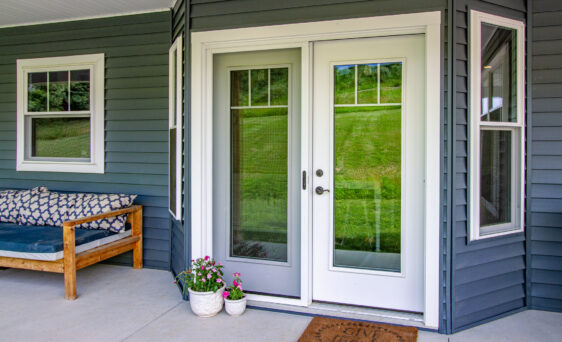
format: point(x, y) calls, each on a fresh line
point(61, 114)
point(497, 111)
point(175, 128)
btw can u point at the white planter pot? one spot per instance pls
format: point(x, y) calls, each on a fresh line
point(235, 307)
point(206, 304)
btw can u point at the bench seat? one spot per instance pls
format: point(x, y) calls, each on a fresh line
point(46, 242)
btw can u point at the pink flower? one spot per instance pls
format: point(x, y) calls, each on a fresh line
point(199, 274)
point(206, 258)
point(225, 294)
point(234, 283)
point(236, 274)
point(220, 263)
point(215, 270)
point(175, 282)
point(219, 280)
point(240, 287)
point(202, 267)
point(209, 276)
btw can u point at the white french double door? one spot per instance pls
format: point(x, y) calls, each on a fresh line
point(366, 184)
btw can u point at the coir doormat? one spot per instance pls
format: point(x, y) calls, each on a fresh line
point(323, 329)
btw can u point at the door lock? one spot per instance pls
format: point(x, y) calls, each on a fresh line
point(320, 190)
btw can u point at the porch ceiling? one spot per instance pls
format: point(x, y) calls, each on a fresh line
point(28, 12)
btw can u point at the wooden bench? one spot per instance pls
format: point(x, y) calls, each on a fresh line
point(71, 262)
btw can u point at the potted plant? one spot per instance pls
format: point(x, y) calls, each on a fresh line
point(205, 286)
point(234, 297)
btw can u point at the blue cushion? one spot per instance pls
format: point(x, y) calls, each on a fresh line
point(42, 239)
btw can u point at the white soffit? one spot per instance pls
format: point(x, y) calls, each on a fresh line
point(30, 12)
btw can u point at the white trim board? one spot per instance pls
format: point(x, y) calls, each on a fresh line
point(206, 44)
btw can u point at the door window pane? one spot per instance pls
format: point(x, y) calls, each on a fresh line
point(391, 83)
point(279, 86)
point(344, 92)
point(495, 177)
point(260, 84)
point(60, 137)
point(239, 88)
point(259, 159)
point(367, 198)
point(37, 92)
point(367, 83)
point(498, 74)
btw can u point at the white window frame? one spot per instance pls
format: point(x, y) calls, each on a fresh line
point(176, 89)
point(476, 232)
point(96, 64)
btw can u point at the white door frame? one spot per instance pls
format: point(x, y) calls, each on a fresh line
point(205, 44)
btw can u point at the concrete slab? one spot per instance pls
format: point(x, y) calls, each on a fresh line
point(122, 304)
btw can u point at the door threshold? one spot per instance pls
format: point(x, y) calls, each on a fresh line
point(345, 312)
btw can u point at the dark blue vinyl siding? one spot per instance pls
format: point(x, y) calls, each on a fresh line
point(488, 277)
point(545, 197)
point(136, 113)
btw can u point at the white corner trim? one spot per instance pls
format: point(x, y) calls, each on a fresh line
point(96, 63)
point(476, 18)
point(205, 44)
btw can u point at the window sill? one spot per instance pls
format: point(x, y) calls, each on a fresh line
point(49, 166)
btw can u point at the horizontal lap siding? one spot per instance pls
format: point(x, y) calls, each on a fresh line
point(545, 234)
point(136, 116)
point(488, 277)
point(213, 15)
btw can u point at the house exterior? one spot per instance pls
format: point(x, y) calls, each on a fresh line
point(403, 155)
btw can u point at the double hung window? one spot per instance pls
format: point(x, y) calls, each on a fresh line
point(60, 122)
point(497, 125)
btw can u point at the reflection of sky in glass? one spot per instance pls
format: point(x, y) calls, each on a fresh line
point(497, 103)
point(344, 67)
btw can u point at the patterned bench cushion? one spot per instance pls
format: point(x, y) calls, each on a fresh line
point(12, 200)
point(92, 204)
point(46, 209)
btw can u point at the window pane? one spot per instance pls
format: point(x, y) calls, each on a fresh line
point(344, 87)
point(495, 177)
point(80, 90)
point(60, 137)
point(391, 82)
point(367, 78)
point(259, 183)
point(260, 87)
point(279, 86)
point(58, 91)
point(239, 88)
point(498, 74)
point(172, 171)
point(37, 92)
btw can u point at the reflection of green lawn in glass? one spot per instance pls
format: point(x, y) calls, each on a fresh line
point(370, 139)
point(64, 138)
point(367, 195)
point(263, 188)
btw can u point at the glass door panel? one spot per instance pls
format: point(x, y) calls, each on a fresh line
point(259, 163)
point(367, 166)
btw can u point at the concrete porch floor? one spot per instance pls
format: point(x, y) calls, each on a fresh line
point(122, 304)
